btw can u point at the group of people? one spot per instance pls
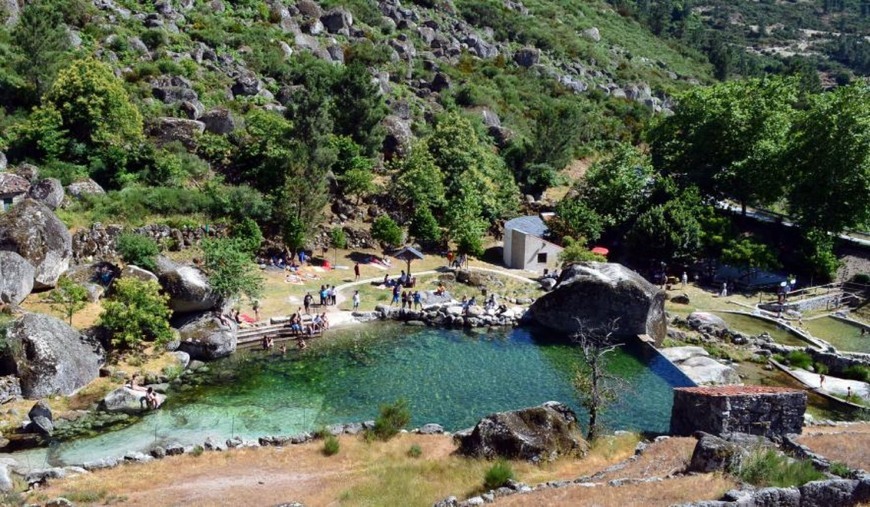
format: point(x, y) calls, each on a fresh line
point(403, 280)
point(407, 298)
point(327, 298)
point(149, 400)
point(457, 262)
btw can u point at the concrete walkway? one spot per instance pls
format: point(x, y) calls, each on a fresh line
point(832, 385)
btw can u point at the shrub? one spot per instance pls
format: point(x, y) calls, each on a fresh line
point(248, 235)
point(136, 311)
point(230, 269)
point(331, 445)
point(387, 231)
point(799, 359)
point(769, 468)
point(139, 250)
point(857, 372)
point(415, 451)
point(68, 297)
point(197, 451)
point(840, 469)
point(392, 418)
point(820, 368)
point(337, 238)
point(498, 475)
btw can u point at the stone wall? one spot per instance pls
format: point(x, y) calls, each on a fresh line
point(99, 241)
point(826, 302)
point(769, 411)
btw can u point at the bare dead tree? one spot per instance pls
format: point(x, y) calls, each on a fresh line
point(595, 387)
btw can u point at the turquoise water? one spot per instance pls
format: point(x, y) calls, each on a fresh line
point(449, 377)
point(843, 335)
point(754, 326)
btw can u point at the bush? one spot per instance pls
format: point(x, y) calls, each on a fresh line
point(415, 451)
point(857, 372)
point(387, 231)
point(248, 236)
point(769, 468)
point(820, 368)
point(498, 475)
point(840, 469)
point(392, 418)
point(799, 359)
point(138, 250)
point(136, 311)
point(231, 270)
point(331, 445)
point(197, 451)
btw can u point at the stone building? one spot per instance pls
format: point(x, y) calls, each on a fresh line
point(758, 410)
point(526, 246)
point(13, 188)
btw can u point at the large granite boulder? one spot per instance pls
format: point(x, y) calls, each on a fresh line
point(536, 433)
point(204, 337)
point(188, 289)
point(592, 295)
point(337, 20)
point(697, 364)
point(16, 278)
point(132, 271)
point(714, 453)
point(33, 231)
point(705, 321)
point(50, 357)
point(48, 191)
point(219, 121)
point(127, 401)
point(166, 130)
point(79, 189)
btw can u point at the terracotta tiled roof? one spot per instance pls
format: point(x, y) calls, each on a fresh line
point(738, 390)
point(13, 184)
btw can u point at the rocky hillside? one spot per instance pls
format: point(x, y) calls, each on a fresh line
point(195, 110)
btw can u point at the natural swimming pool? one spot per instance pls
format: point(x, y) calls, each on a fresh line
point(842, 335)
point(450, 377)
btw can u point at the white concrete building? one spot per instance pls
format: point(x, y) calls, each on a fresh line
point(525, 246)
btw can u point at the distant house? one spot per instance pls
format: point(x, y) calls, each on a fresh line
point(525, 246)
point(13, 188)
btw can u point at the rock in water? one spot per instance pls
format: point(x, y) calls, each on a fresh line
point(591, 295)
point(188, 289)
point(536, 433)
point(33, 231)
point(50, 357)
point(16, 278)
point(127, 401)
point(204, 337)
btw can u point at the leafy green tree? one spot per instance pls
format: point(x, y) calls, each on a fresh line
point(830, 161)
point(359, 182)
point(138, 250)
point(750, 255)
point(337, 240)
point(387, 231)
point(420, 182)
point(136, 311)
point(94, 107)
point(230, 269)
point(68, 297)
point(669, 231)
point(576, 251)
point(359, 108)
point(294, 233)
point(248, 235)
point(575, 218)
point(729, 139)
point(424, 227)
point(617, 187)
point(43, 44)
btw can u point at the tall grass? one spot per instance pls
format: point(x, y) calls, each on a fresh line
point(769, 468)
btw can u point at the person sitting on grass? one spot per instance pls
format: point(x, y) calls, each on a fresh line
point(324, 321)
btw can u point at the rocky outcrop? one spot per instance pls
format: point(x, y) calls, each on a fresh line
point(706, 322)
point(49, 357)
point(697, 364)
point(536, 434)
point(33, 231)
point(82, 188)
point(338, 20)
point(127, 401)
point(48, 191)
point(188, 290)
point(204, 337)
point(527, 57)
point(771, 412)
point(592, 295)
point(219, 121)
point(10, 388)
point(714, 453)
point(41, 419)
point(16, 278)
point(139, 273)
point(167, 130)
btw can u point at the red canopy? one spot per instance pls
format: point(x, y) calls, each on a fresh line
point(600, 250)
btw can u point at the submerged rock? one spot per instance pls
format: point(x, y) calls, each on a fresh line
point(539, 433)
point(592, 295)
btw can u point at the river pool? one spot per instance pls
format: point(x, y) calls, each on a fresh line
point(450, 377)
